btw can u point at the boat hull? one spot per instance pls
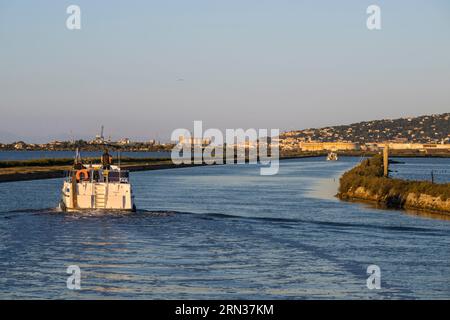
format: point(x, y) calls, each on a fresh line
point(89, 196)
point(63, 208)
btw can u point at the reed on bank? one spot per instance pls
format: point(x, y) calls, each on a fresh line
point(366, 182)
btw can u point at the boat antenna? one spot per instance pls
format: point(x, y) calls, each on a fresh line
point(120, 171)
point(77, 156)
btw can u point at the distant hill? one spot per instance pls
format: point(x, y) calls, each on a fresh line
point(424, 129)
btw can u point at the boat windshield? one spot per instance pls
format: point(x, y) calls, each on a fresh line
point(102, 176)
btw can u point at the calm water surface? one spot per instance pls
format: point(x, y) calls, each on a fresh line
point(28, 155)
point(222, 232)
point(421, 169)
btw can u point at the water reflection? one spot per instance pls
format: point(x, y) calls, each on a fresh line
point(217, 233)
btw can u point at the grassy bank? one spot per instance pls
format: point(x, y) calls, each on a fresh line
point(69, 161)
point(366, 182)
point(55, 168)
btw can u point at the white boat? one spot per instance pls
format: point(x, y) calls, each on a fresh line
point(332, 156)
point(97, 187)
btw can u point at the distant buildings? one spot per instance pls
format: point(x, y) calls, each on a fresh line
point(99, 138)
point(418, 133)
point(422, 134)
point(424, 129)
point(94, 145)
point(329, 146)
point(193, 141)
point(124, 142)
point(19, 145)
point(373, 146)
point(415, 146)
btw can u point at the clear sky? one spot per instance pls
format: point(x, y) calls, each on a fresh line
point(145, 68)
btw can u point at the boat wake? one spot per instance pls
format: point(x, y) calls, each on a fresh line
point(89, 213)
point(326, 224)
point(143, 213)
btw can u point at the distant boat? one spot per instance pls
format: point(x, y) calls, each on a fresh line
point(332, 156)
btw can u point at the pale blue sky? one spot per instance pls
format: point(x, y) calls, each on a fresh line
point(145, 68)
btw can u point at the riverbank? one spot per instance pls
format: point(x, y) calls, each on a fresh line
point(50, 168)
point(36, 169)
point(366, 182)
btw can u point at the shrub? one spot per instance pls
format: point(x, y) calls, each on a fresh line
point(369, 174)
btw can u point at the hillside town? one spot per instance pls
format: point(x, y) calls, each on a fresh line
point(424, 133)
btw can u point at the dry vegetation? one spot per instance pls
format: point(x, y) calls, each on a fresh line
point(369, 175)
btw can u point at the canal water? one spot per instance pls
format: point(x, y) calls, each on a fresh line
point(223, 232)
point(436, 169)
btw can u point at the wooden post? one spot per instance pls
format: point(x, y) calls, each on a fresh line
point(74, 191)
point(386, 160)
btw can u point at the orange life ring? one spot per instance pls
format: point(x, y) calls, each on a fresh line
point(85, 175)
